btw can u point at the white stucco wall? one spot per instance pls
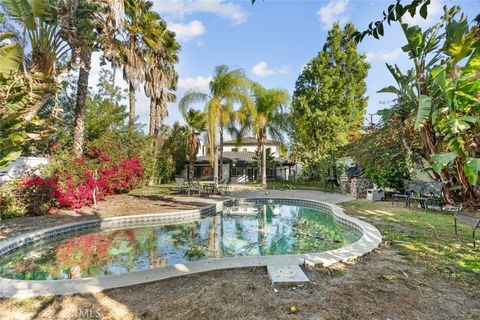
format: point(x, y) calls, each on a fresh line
point(20, 166)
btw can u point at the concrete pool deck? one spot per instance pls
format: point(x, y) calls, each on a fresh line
point(371, 239)
point(321, 196)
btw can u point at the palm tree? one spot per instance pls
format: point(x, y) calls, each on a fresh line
point(160, 75)
point(227, 88)
point(195, 121)
point(46, 45)
point(267, 117)
point(133, 60)
point(85, 24)
point(149, 58)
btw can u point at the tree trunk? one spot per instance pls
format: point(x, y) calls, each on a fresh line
point(190, 171)
point(131, 101)
point(215, 166)
point(264, 165)
point(114, 75)
point(221, 154)
point(153, 118)
point(81, 107)
point(37, 106)
point(263, 142)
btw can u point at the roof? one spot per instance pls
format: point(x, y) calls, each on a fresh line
point(238, 156)
point(248, 141)
point(231, 156)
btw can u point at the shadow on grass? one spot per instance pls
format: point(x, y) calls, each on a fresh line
point(425, 238)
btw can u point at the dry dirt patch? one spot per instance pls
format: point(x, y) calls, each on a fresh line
point(117, 205)
point(383, 285)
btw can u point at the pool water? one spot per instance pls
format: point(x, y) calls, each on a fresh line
point(242, 230)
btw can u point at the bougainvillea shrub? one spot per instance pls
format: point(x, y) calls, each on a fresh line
point(76, 183)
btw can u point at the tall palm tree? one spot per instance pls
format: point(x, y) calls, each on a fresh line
point(160, 75)
point(132, 55)
point(227, 87)
point(266, 117)
point(85, 25)
point(195, 121)
point(149, 55)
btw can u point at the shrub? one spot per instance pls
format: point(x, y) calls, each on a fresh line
point(71, 183)
point(10, 205)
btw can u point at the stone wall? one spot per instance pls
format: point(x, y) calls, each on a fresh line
point(359, 186)
point(344, 185)
point(356, 187)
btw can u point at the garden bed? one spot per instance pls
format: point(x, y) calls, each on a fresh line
point(141, 201)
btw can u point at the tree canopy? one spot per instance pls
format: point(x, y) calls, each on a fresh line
point(329, 100)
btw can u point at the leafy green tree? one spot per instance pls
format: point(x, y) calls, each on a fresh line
point(172, 154)
point(226, 88)
point(329, 99)
point(395, 12)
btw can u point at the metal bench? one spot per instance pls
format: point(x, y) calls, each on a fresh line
point(408, 188)
point(427, 192)
point(474, 222)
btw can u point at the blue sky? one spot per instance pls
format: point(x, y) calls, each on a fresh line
point(273, 39)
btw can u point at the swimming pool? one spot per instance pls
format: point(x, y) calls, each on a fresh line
point(244, 229)
point(90, 256)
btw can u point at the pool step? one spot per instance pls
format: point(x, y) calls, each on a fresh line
point(284, 275)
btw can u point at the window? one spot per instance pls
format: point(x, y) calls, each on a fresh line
point(244, 149)
point(234, 149)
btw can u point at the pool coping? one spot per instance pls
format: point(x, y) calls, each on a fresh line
point(371, 238)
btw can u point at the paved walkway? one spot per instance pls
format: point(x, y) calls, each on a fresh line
point(296, 194)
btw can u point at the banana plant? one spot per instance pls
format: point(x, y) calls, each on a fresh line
point(11, 53)
point(15, 95)
point(446, 99)
point(457, 87)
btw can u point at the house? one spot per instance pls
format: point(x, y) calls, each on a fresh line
point(240, 163)
point(21, 166)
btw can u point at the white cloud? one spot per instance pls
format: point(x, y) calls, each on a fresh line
point(200, 43)
point(435, 10)
point(333, 11)
point(261, 69)
point(384, 56)
point(198, 83)
point(187, 31)
point(178, 9)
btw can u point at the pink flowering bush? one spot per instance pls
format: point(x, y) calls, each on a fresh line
point(79, 182)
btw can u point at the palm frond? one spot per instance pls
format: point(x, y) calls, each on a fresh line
point(191, 98)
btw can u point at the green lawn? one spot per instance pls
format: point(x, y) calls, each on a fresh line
point(162, 189)
point(425, 238)
point(301, 186)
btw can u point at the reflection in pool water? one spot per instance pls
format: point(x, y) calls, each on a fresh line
point(247, 229)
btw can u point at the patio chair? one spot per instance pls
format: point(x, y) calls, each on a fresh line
point(225, 188)
point(181, 186)
point(425, 192)
point(408, 187)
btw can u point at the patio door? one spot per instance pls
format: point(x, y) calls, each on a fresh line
point(252, 174)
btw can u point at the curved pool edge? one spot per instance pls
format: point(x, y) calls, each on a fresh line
point(371, 238)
